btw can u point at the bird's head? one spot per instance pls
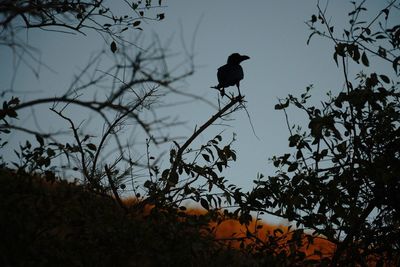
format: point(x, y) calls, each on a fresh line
point(236, 58)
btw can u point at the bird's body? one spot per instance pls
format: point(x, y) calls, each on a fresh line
point(231, 73)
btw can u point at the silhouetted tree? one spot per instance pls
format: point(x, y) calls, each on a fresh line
point(130, 88)
point(342, 182)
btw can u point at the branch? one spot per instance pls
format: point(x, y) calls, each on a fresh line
point(182, 149)
point(114, 189)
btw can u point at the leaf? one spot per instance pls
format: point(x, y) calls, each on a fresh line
point(382, 52)
point(173, 178)
point(11, 113)
point(14, 101)
point(380, 36)
point(50, 152)
point(160, 16)
point(386, 11)
point(206, 157)
point(113, 47)
point(92, 146)
point(39, 139)
point(136, 23)
point(299, 154)
point(233, 155)
point(335, 58)
point(395, 63)
point(282, 105)
point(313, 18)
point(384, 78)
point(204, 204)
point(293, 167)
point(364, 59)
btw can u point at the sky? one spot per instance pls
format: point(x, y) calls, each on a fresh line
point(272, 33)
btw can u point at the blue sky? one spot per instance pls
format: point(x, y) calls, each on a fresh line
point(272, 33)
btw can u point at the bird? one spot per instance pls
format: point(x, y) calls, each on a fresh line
point(231, 73)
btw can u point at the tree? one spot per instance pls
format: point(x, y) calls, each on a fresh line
point(130, 88)
point(342, 181)
point(123, 101)
point(126, 94)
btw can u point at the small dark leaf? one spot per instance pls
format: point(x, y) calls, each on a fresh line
point(384, 78)
point(113, 47)
point(206, 157)
point(299, 154)
point(386, 11)
point(122, 186)
point(50, 152)
point(136, 23)
point(14, 101)
point(335, 58)
point(39, 139)
point(92, 146)
point(313, 19)
point(364, 59)
point(11, 113)
point(282, 105)
point(204, 204)
point(293, 167)
point(147, 184)
point(160, 16)
point(396, 63)
point(382, 52)
point(173, 178)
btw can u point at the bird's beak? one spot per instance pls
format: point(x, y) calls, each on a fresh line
point(243, 58)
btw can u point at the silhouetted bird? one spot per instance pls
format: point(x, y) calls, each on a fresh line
point(231, 73)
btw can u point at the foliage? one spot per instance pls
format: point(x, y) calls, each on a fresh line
point(73, 16)
point(343, 179)
point(63, 224)
point(125, 100)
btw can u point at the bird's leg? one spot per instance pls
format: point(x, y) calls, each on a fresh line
point(222, 91)
point(238, 87)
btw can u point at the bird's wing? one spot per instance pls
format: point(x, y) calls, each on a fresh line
point(222, 74)
point(229, 75)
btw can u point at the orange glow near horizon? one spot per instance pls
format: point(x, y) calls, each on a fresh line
point(232, 233)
